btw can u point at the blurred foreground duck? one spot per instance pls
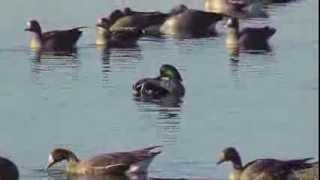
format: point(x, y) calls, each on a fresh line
point(169, 82)
point(250, 38)
point(8, 170)
point(262, 169)
point(58, 40)
point(121, 37)
point(118, 163)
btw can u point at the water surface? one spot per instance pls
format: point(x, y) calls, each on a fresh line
point(266, 105)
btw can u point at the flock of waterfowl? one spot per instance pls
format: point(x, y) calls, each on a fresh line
point(123, 29)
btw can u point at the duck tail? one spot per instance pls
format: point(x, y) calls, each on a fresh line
point(154, 150)
point(78, 28)
point(299, 164)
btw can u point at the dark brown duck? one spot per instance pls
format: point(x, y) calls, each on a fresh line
point(58, 40)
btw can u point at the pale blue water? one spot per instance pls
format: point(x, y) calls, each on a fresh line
point(266, 105)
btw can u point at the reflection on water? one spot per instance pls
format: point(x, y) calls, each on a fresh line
point(168, 111)
point(66, 63)
point(118, 59)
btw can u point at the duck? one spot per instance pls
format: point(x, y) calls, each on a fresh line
point(121, 37)
point(185, 22)
point(8, 170)
point(237, 8)
point(169, 82)
point(117, 163)
point(261, 169)
point(134, 19)
point(58, 40)
point(249, 38)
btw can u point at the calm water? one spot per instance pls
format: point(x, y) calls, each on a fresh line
point(266, 105)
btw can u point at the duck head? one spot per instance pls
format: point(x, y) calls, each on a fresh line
point(230, 154)
point(33, 26)
point(103, 23)
point(168, 71)
point(178, 9)
point(128, 11)
point(115, 15)
point(59, 154)
point(269, 31)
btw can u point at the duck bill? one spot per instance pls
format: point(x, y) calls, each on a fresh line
point(220, 161)
point(50, 164)
point(27, 29)
point(100, 26)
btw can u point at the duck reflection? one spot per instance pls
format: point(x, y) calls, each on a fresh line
point(49, 61)
point(168, 112)
point(118, 58)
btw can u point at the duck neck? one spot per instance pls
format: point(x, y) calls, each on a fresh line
point(36, 40)
point(71, 157)
point(103, 35)
point(236, 163)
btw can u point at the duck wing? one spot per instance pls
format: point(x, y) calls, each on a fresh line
point(151, 87)
point(61, 39)
point(122, 160)
point(126, 34)
point(276, 168)
point(197, 22)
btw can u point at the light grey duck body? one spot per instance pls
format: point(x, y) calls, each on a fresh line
point(119, 163)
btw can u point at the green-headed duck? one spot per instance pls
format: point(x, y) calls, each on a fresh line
point(121, 37)
point(169, 82)
point(8, 170)
point(59, 40)
point(118, 163)
point(261, 169)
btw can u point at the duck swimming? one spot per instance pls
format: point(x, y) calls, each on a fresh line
point(187, 22)
point(121, 37)
point(249, 38)
point(133, 19)
point(58, 40)
point(169, 82)
point(117, 163)
point(261, 169)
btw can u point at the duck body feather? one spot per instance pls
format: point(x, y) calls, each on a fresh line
point(272, 169)
point(115, 163)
